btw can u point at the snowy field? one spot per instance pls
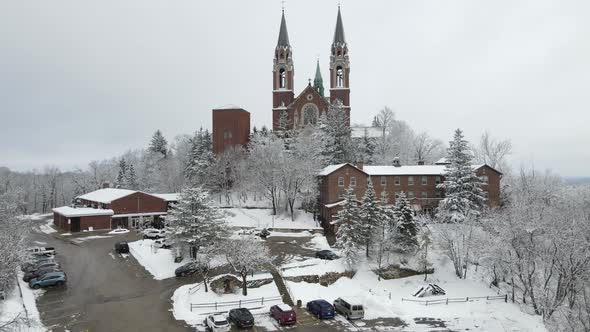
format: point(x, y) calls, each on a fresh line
point(14, 306)
point(262, 218)
point(160, 262)
point(195, 293)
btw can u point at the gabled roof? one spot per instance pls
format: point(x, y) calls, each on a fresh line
point(106, 195)
point(331, 169)
point(385, 170)
point(309, 89)
point(171, 197)
point(283, 35)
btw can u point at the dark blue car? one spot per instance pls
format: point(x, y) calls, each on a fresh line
point(322, 309)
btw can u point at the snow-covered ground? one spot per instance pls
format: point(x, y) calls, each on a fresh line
point(262, 218)
point(14, 306)
point(160, 262)
point(47, 228)
point(187, 294)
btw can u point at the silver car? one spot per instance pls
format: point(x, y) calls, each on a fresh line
point(349, 308)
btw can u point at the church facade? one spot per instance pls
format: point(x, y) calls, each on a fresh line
point(291, 112)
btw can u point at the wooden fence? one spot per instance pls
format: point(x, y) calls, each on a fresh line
point(239, 303)
point(459, 299)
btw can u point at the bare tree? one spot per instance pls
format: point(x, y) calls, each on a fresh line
point(426, 149)
point(245, 256)
point(492, 151)
point(384, 119)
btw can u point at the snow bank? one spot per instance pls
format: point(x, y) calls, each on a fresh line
point(261, 218)
point(183, 297)
point(15, 305)
point(313, 266)
point(158, 262)
point(47, 228)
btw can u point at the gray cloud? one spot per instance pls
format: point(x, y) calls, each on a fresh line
point(82, 81)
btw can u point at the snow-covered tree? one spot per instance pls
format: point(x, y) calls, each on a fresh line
point(265, 163)
point(246, 256)
point(131, 178)
point(405, 222)
point(349, 233)
point(463, 195)
point(493, 152)
point(200, 157)
point(424, 239)
point(335, 125)
point(122, 177)
point(427, 149)
point(225, 172)
point(159, 144)
point(371, 216)
point(195, 219)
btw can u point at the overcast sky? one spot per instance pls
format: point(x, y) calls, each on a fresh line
point(82, 80)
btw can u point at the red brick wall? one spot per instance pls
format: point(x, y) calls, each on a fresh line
point(138, 203)
point(96, 222)
point(60, 222)
point(236, 121)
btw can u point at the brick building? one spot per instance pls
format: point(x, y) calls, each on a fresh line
point(418, 182)
point(231, 127)
point(310, 103)
point(110, 208)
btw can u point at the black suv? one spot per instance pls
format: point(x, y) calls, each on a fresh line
point(121, 247)
point(326, 254)
point(241, 317)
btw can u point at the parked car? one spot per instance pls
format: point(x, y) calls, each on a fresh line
point(349, 308)
point(42, 251)
point(241, 317)
point(119, 231)
point(29, 266)
point(49, 279)
point(322, 309)
point(163, 243)
point(38, 273)
point(43, 265)
point(217, 323)
point(264, 233)
point(154, 234)
point(326, 254)
point(122, 247)
point(284, 314)
point(186, 269)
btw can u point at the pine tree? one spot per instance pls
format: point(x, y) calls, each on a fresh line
point(463, 195)
point(200, 157)
point(131, 178)
point(405, 222)
point(196, 218)
point(371, 215)
point(159, 144)
point(336, 128)
point(367, 148)
point(122, 177)
point(350, 229)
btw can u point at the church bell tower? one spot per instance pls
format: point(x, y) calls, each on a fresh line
point(283, 72)
point(340, 67)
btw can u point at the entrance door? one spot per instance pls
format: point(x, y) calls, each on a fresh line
point(75, 226)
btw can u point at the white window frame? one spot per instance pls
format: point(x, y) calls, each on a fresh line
point(424, 195)
point(397, 181)
point(410, 180)
point(341, 181)
point(424, 180)
point(410, 195)
point(383, 181)
point(353, 181)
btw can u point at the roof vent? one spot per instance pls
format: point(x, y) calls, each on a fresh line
point(421, 162)
point(396, 162)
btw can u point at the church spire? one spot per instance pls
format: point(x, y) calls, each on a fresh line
point(339, 32)
point(283, 35)
point(318, 82)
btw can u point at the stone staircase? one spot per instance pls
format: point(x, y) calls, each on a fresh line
point(280, 283)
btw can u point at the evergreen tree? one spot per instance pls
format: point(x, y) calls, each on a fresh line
point(200, 157)
point(159, 144)
point(405, 222)
point(284, 123)
point(367, 148)
point(336, 126)
point(463, 195)
point(122, 177)
point(349, 235)
point(196, 218)
point(131, 178)
point(371, 215)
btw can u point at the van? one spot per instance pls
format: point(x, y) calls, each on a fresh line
point(349, 308)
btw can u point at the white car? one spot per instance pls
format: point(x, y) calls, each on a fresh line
point(163, 243)
point(154, 234)
point(119, 231)
point(217, 323)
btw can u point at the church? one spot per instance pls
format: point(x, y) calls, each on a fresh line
point(311, 103)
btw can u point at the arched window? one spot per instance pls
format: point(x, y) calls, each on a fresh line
point(310, 115)
point(339, 76)
point(282, 78)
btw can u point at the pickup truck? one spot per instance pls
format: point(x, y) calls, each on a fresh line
point(42, 251)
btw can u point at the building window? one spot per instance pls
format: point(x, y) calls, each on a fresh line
point(310, 115)
point(396, 181)
point(282, 77)
point(353, 181)
point(410, 194)
point(410, 180)
point(340, 181)
point(227, 134)
point(339, 77)
point(424, 180)
point(424, 195)
point(484, 179)
point(383, 181)
point(437, 180)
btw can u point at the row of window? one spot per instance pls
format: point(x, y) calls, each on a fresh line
point(424, 195)
point(396, 180)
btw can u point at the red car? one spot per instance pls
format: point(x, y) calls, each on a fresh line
point(284, 314)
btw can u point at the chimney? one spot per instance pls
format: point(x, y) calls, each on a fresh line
point(421, 162)
point(105, 185)
point(396, 162)
point(360, 165)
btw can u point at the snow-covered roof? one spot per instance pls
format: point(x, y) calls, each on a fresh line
point(329, 169)
point(331, 205)
point(442, 161)
point(106, 195)
point(405, 170)
point(373, 132)
point(284, 307)
point(171, 197)
point(68, 211)
point(229, 107)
